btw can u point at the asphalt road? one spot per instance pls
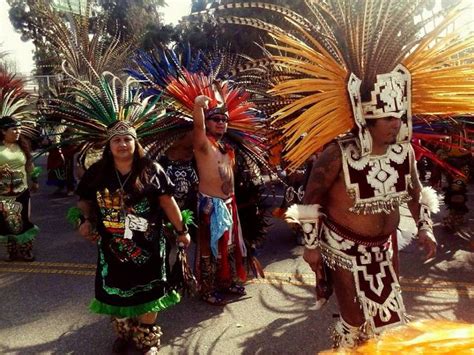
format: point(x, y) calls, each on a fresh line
point(43, 305)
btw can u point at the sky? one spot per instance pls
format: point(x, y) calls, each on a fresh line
point(22, 52)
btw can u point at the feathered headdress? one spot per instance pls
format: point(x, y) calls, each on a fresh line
point(446, 135)
point(362, 59)
point(85, 55)
point(16, 104)
point(422, 336)
point(97, 112)
point(182, 78)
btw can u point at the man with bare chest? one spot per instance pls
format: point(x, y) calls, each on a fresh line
point(347, 78)
point(220, 247)
point(350, 215)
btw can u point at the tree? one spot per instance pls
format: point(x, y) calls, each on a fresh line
point(207, 31)
point(158, 35)
point(27, 21)
point(132, 19)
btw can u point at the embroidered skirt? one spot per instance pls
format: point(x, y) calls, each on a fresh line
point(369, 261)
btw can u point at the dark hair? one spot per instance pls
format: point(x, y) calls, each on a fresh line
point(9, 122)
point(25, 147)
point(366, 93)
point(371, 122)
point(141, 168)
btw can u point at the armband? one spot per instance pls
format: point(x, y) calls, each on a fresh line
point(307, 216)
point(429, 203)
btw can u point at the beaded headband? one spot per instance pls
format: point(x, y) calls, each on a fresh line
point(217, 111)
point(121, 128)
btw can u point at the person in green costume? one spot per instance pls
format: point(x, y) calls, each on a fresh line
point(123, 198)
point(16, 166)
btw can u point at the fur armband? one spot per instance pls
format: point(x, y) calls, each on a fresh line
point(429, 203)
point(307, 216)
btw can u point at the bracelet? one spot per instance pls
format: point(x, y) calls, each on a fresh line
point(184, 231)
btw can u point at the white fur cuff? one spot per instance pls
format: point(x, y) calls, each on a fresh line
point(303, 213)
point(307, 216)
point(429, 197)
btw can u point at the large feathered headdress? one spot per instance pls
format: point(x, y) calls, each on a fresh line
point(16, 104)
point(84, 55)
point(362, 59)
point(182, 78)
point(95, 113)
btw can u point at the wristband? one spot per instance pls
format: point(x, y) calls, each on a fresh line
point(307, 216)
point(184, 231)
point(429, 203)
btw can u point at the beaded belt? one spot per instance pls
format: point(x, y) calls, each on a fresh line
point(354, 236)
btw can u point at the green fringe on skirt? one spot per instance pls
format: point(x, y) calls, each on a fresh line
point(168, 300)
point(22, 238)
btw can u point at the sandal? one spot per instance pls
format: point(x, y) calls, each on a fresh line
point(214, 298)
point(237, 290)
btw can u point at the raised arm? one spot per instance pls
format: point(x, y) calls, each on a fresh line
point(200, 141)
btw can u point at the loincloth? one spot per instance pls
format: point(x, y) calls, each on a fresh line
point(375, 280)
point(219, 222)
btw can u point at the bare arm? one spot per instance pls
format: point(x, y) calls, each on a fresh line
point(87, 228)
point(199, 130)
point(324, 173)
point(86, 208)
point(414, 191)
point(173, 213)
point(426, 239)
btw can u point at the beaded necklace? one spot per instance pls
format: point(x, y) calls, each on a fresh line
point(122, 190)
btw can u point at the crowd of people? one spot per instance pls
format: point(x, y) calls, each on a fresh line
point(168, 139)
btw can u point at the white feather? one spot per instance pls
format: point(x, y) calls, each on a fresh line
point(429, 197)
point(404, 238)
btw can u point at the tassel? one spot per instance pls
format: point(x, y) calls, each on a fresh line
point(256, 267)
point(182, 278)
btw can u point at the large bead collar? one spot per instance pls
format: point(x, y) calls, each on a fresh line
point(376, 183)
